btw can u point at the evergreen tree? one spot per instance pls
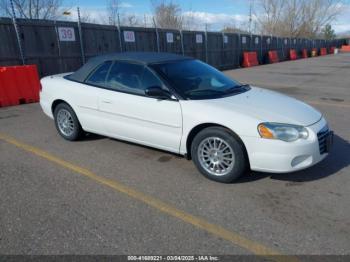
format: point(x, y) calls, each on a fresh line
point(328, 32)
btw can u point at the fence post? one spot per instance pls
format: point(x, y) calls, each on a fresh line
point(239, 50)
point(14, 21)
point(157, 35)
point(182, 43)
point(223, 50)
point(261, 49)
point(223, 40)
point(251, 42)
point(206, 43)
point(58, 46)
point(81, 37)
point(120, 34)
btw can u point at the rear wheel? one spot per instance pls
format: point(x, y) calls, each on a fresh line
point(218, 155)
point(67, 123)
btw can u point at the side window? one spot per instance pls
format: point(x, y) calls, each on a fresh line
point(126, 77)
point(150, 80)
point(98, 77)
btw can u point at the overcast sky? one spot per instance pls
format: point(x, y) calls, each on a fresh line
point(216, 13)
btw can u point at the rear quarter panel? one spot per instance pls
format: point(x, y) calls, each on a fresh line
point(80, 97)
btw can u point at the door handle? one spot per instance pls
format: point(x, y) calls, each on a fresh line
point(106, 101)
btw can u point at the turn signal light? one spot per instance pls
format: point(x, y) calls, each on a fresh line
point(265, 132)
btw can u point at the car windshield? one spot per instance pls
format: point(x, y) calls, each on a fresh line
point(193, 79)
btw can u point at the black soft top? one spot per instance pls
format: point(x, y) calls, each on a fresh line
point(138, 57)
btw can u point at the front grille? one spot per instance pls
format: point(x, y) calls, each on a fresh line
point(322, 139)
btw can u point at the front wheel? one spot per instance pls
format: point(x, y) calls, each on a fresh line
point(219, 155)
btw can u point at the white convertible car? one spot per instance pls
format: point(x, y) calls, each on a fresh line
point(187, 107)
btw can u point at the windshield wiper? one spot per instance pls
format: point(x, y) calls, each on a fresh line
point(205, 90)
point(238, 88)
point(243, 86)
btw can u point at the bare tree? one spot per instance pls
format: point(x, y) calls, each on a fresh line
point(86, 17)
point(296, 18)
point(167, 14)
point(270, 15)
point(113, 11)
point(32, 9)
point(189, 21)
point(234, 29)
point(130, 20)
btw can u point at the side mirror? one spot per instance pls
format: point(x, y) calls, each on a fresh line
point(157, 92)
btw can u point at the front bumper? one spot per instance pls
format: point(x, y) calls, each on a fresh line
point(275, 156)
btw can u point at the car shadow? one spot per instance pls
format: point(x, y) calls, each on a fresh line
point(91, 137)
point(338, 158)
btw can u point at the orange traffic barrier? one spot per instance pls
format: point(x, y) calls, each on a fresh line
point(250, 59)
point(314, 52)
point(19, 85)
point(345, 48)
point(293, 54)
point(273, 57)
point(304, 53)
point(323, 51)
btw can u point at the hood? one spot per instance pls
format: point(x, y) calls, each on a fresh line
point(270, 106)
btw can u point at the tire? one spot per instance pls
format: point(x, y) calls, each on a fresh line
point(67, 123)
point(219, 155)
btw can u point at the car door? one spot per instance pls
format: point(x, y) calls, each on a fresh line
point(129, 114)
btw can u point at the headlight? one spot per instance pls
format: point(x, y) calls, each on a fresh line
point(284, 132)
